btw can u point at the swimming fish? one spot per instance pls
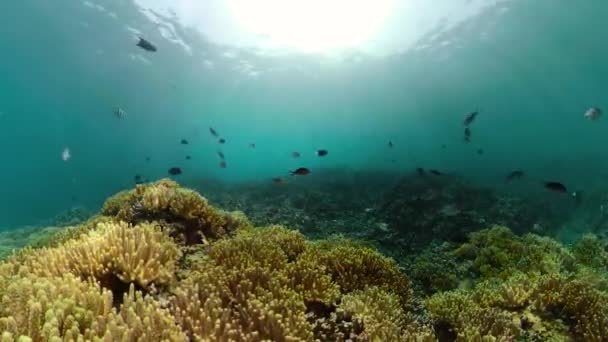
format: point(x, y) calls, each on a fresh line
point(138, 179)
point(222, 140)
point(278, 180)
point(188, 157)
point(252, 145)
point(480, 151)
point(175, 171)
point(221, 155)
point(223, 164)
point(443, 146)
point(420, 171)
point(467, 134)
point(302, 171)
point(213, 132)
point(119, 112)
point(556, 186)
point(593, 113)
point(517, 174)
point(65, 154)
point(295, 154)
point(390, 144)
point(470, 118)
point(146, 45)
point(184, 142)
point(147, 159)
point(435, 172)
point(322, 153)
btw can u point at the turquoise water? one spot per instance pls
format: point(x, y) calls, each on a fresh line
point(531, 70)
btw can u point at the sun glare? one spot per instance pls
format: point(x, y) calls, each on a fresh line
point(312, 25)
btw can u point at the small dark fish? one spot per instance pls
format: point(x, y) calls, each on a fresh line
point(223, 164)
point(252, 145)
point(480, 151)
point(146, 45)
point(119, 112)
point(517, 174)
point(222, 140)
point(221, 155)
point(278, 180)
point(138, 179)
point(420, 171)
point(322, 153)
point(470, 118)
point(147, 159)
point(556, 186)
point(467, 134)
point(188, 157)
point(184, 142)
point(435, 172)
point(213, 132)
point(390, 144)
point(302, 171)
point(443, 146)
point(175, 171)
point(295, 154)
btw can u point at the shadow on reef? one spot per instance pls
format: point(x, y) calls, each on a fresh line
point(161, 264)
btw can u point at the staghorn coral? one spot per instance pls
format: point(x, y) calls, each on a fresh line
point(354, 267)
point(185, 213)
point(497, 252)
point(113, 253)
point(67, 308)
point(592, 252)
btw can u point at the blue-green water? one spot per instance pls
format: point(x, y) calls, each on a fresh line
point(531, 70)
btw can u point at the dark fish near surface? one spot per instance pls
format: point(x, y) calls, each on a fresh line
point(295, 154)
point(146, 45)
point(213, 132)
point(322, 153)
point(420, 171)
point(252, 145)
point(435, 172)
point(390, 144)
point(221, 155)
point(517, 174)
point(175, 171)
point(302, 171)
point(556, 186)
point(467, 134)
point(138, 179)
point(188, 157)
point(184, 142)
point(479, 151)
point(223, 164)
point(222, 140)
point(278, 180)
point(470, 118)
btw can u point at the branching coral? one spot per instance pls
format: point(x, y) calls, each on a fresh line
point(354, 267)
point(592, 252)
point(437, 269)
point(114, 251)
point(66, 308)
point(185, 213)
point(497, 252)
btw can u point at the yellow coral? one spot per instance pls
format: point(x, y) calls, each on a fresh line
point(48, 308)
point(140, 254)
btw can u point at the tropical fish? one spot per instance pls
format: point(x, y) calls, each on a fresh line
point(146, 45)
point(119, 112)
point(138, 179)
point(390, 144)
point(302, 171)
point(221, 155)
point(252, 145)
point(556, 186)
point(147, 159)
point(213, 132)
point(480, 151)
point(223, 164)
point(517, 174)
point(65, 154)
point(420, 171)
point(435, 172)
point(467, 134)
point(321, 153)
point(295, 154)
point(470, 118)
point(184, 142)
point(593, 113)
point(278, 180)
point(188, 157)
point(222, 140)
point(174, 171)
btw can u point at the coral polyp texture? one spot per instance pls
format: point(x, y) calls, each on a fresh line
point(159, 263)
